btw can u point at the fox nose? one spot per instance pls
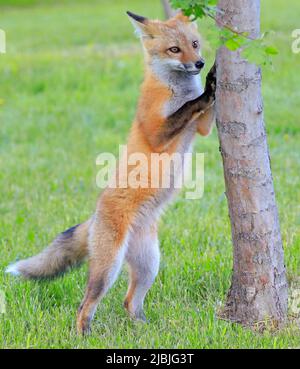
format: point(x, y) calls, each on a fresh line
point(199, 64)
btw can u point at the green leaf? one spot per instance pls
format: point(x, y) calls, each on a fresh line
point(187, 12)
point(198, 11)
point(225, 33)
point(232, 45)
point(271, 50)
point(254, 53)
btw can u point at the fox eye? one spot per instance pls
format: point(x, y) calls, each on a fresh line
point(195, 44)
point(175, 50)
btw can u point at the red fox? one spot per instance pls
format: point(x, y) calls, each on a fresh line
point(172, 108)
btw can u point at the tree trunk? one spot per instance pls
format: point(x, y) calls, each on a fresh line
point(258, 290)
point(169, 12)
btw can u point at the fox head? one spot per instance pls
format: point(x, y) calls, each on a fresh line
point(172, 45)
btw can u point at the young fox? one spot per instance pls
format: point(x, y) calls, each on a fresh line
point(172, 108)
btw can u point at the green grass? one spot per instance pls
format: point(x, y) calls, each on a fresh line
point(68, 88)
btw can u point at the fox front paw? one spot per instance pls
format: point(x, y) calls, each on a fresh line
point(211, 82)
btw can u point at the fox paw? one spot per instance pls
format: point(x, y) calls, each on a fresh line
point(137, 315)
point(211, 81)
point(83, 327)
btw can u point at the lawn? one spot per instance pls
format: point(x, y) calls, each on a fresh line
point(69, 84)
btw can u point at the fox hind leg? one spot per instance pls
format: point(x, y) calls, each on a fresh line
point(106, 259)
point(143, 260)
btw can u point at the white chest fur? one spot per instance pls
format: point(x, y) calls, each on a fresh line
point(184, 88)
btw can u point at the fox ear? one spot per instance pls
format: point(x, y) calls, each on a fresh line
point(181, 17)
point(140, 24)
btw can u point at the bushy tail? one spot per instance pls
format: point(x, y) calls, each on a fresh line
point(68, 249)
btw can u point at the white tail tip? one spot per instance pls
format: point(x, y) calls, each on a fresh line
point(13, 269)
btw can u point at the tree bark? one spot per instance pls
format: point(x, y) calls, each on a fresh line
point(258, 291)
point(169, 12)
